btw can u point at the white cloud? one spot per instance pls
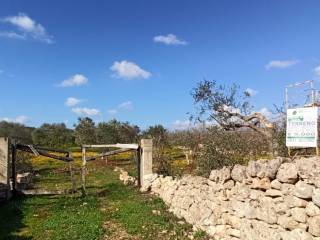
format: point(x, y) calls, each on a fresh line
point(75, 80)
point(231, 109)
point(169, 39)
point(317, 70)
point(126, 105)
point(86, 111)
point(71, 101)
point(251, 92)
point(112, 111)
point(266, 112)
point(22, 119)
point(128, 70)
point(19, 119)
point(181, 125)
point(27, 27)
point(281, 64)
point(12, 35)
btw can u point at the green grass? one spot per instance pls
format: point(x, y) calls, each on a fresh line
point(110, 210)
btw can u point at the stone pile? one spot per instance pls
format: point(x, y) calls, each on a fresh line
point(125, 177)
point(23, 180)
point(268, 199)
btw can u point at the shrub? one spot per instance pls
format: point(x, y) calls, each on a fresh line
point(225, 148)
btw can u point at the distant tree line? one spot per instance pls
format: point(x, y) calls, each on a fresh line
point(85, 131)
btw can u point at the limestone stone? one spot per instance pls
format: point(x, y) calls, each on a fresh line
point(296, 234)
point(241, 192)
point(263, 183)
point(299, 214)
point(275, 184)
point(287, 222)
point(287, 189)
point(314, 226)
point(309, 170)
point(303, 190)
point(258, 230)
point(228, 184)
point(266, 211)
point(253, 168)
point(238, 173)
point(293, 201)
point(312, 210)
point(234, 232)
point(316, 197)
point(273, 193)
point(269, 168)
point(281, 208)
point(256, 194)
point(287, 173)
point(221, 230)
point(233, 221)
point(221, 175)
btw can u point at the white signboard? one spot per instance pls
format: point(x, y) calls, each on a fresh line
point(302, 130)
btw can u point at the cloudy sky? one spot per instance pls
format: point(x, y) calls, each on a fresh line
point(137, 61)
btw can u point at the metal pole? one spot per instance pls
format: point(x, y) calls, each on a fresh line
point(286, 99)
point(313, 96)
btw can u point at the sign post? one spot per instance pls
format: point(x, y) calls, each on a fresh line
point(302, 128)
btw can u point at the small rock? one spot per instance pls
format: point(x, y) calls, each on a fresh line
point(228, 184)
point(287, 222)
point(276, 184)
point(273, 193)
point(296, 234)
point(287, 173)
point(316, 197)
point(299, 214)
point(312, 210)
point(234, 232)
point(303, 190)
point(314, 226)
point(221, 176)
point(238, 173)
point(263, 183)
point(293, 201)
point(156, 212)
point(253, 168)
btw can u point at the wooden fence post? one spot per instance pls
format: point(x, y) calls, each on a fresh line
point(4, 169)
point(71, 168)
point(83, 172)
point(13, 167)
point(146, 159)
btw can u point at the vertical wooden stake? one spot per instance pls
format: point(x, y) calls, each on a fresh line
point(83, 172)
point(317, 151)
point(289, 151)
point(5, 166)
point(138, 165)
point(13, 169)
point(73, 180)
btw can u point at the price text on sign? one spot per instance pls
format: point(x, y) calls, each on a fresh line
point(302, 127)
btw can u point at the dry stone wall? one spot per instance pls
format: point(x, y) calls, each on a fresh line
point(274, 199)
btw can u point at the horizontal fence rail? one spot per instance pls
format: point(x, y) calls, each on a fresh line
point(37, 151)
point(109, 154)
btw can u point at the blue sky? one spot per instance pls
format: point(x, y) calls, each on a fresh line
point(137, 61)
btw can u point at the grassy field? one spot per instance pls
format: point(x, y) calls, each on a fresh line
point(109, 211)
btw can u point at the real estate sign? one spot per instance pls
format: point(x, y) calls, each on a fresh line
point(302, 127)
